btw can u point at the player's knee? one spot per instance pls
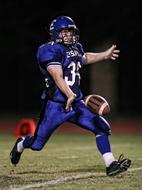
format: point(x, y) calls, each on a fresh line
point(100, 133)
point(103, 126)
point(103, 132)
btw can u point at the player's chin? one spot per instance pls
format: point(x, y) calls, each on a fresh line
point(68, 41)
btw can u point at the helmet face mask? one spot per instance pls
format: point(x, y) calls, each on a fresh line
point(67, 36)
point(63, 30)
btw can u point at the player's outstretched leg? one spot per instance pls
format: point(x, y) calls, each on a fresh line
point(15, 154)
point(119, 166)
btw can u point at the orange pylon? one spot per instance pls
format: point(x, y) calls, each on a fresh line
point(26, 126)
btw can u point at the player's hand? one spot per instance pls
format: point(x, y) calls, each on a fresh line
point(69, 102)
point(112, 53)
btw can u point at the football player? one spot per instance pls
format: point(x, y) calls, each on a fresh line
point(60, 61)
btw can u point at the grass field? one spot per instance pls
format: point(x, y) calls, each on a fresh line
point(70, 162)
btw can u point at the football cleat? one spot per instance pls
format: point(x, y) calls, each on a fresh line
point(119, 166)
point(14, 154)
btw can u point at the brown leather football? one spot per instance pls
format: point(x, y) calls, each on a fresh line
point(97, 104)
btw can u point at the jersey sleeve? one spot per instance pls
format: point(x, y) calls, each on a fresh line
point(49, 55)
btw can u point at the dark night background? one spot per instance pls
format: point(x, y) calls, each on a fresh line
point(23, 30)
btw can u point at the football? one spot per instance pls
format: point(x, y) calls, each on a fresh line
point(97, 104)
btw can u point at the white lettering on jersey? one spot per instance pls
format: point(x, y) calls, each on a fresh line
point(72, 53)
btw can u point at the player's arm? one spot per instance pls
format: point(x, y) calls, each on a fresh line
point(57, 74)
point(110, 53)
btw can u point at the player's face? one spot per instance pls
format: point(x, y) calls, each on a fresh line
point(67, 36)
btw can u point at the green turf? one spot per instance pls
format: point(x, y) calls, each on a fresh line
point(71, 155)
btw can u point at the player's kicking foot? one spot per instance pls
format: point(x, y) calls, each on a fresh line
point(14, 154)
point(119, 166)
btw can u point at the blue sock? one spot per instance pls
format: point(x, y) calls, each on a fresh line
point(27, 141)
point(103, 143)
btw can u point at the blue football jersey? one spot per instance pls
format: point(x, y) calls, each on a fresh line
point(70, 59)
